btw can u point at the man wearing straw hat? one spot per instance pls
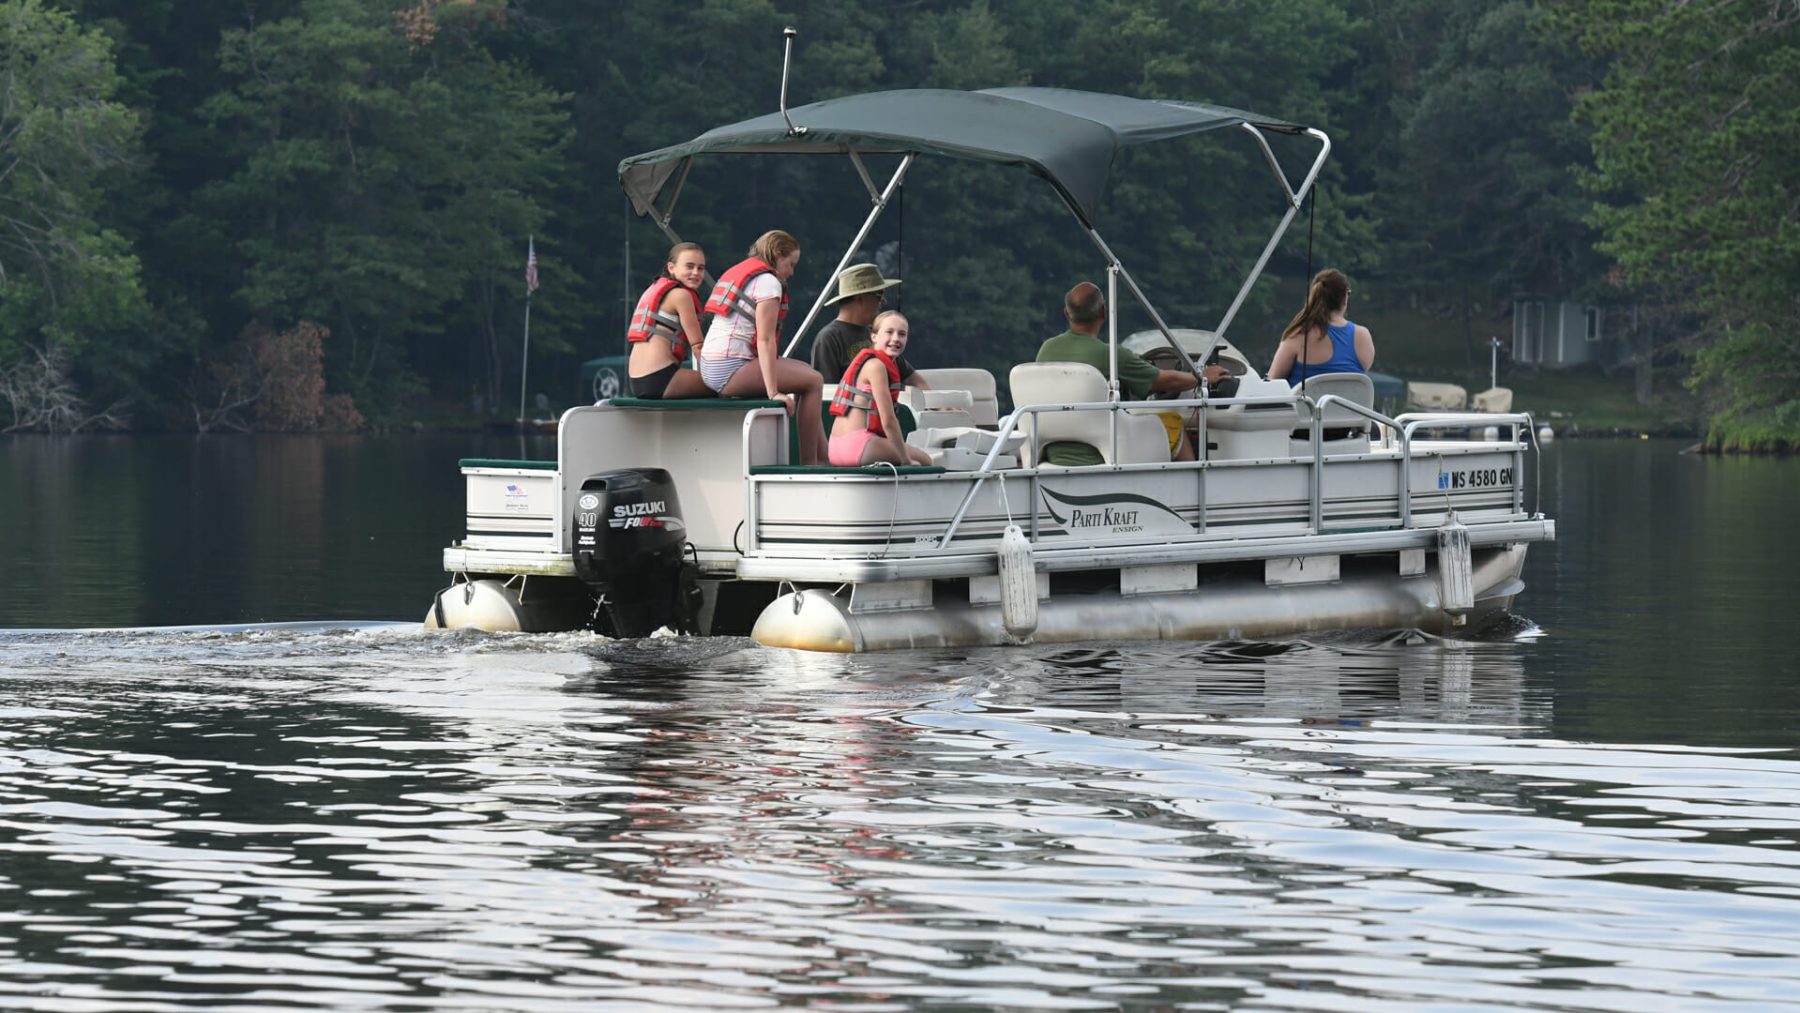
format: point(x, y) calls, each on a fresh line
point(859, 299)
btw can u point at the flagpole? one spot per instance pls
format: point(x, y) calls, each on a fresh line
point(525, 352)
point(524, 358)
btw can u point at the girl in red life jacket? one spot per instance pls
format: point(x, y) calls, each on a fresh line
point(867, 429)
point(666, 326)
point(741, 356)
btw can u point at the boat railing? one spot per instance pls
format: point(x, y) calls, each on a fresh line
point(1409, 423)
point(1011, 422)
point(1317, 487)
point(1401, 429)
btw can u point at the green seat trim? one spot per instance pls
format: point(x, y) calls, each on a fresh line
point(734, 404)
point(495, 462)
point(832, 469)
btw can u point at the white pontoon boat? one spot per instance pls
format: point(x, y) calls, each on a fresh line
point(1307, 509)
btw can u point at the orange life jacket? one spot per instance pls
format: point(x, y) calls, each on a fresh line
point(728, 294)
point(850, 395)
point(649, 321)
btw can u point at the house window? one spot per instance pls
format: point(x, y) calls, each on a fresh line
point(1592, 314)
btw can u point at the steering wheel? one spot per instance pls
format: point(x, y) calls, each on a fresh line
point(1165, 358)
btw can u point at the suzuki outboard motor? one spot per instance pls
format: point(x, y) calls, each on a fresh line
point(628, 539)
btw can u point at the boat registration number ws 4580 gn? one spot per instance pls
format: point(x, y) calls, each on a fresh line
point(1475, 478)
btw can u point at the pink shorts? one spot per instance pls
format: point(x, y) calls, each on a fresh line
point(847, 451)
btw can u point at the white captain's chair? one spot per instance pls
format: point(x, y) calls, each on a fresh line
point(1246, 431)
point(984, 403)
point(1346, 432)
point(956, 418)
point(1142, 438)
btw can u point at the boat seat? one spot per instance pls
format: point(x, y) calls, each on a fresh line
point(710, 404)
point(1246, 432)
point(939, 409)
point(964, 448)
point(1142, 438)
point(737, 404)
point(936, 400)
point(984, 400)
point(1345, 432)
point(954, 458)
point(934, 418)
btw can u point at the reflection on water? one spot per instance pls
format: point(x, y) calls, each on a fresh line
point(173, 530)
point(379, 819)
point(1667, 596)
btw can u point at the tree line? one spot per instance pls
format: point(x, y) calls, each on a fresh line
point(299, 214)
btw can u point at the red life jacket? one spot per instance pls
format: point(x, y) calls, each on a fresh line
point(849, 395)
point(728, 294)
point(649, 321)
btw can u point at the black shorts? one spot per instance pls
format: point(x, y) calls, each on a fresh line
point(651, 387)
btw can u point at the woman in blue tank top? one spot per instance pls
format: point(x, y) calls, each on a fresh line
point(1320, 338)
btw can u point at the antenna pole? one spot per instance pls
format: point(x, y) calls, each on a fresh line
point(787, 59)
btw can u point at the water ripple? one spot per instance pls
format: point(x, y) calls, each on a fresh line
point(369, 818)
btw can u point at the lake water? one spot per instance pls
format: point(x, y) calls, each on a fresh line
point(1600, 811)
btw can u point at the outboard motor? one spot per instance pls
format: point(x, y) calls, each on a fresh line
point(628, 538)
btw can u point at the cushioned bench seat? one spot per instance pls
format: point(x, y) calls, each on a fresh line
point(711, 404)
point(739, 404)
point(901, 412)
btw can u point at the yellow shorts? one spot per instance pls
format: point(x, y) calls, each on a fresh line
point(1172, 422)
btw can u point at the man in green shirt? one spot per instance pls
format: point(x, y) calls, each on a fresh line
point(1085, 308)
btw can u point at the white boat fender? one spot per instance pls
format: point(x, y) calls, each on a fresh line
point(1018, 585)
point(1545, 434)
point(1456, 584)
point(484, 604)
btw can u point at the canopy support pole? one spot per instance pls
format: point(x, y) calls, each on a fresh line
point(863, 171)
point(661, 218)
point(1295, 198)
point(662, 222)
point(1113, 266)
point(687, 164)
point(861, 234)
point(1112, 354)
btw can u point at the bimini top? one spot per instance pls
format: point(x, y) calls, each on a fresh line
point(1068, 137)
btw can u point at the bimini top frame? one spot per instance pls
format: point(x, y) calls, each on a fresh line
point(1069, 138)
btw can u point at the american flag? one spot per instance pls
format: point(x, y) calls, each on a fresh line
point(531, 282)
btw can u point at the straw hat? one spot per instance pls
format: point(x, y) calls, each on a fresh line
point(861, 279)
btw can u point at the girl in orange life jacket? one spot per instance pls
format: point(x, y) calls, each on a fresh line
point(740, 357)
point(665, 325)
point(867, 429)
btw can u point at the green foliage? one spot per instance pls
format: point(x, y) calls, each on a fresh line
point(67, 281)
point(383, 183)
point(1479, 192)
point(376, 166)
point(1752, 378)
point(1694, 135)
